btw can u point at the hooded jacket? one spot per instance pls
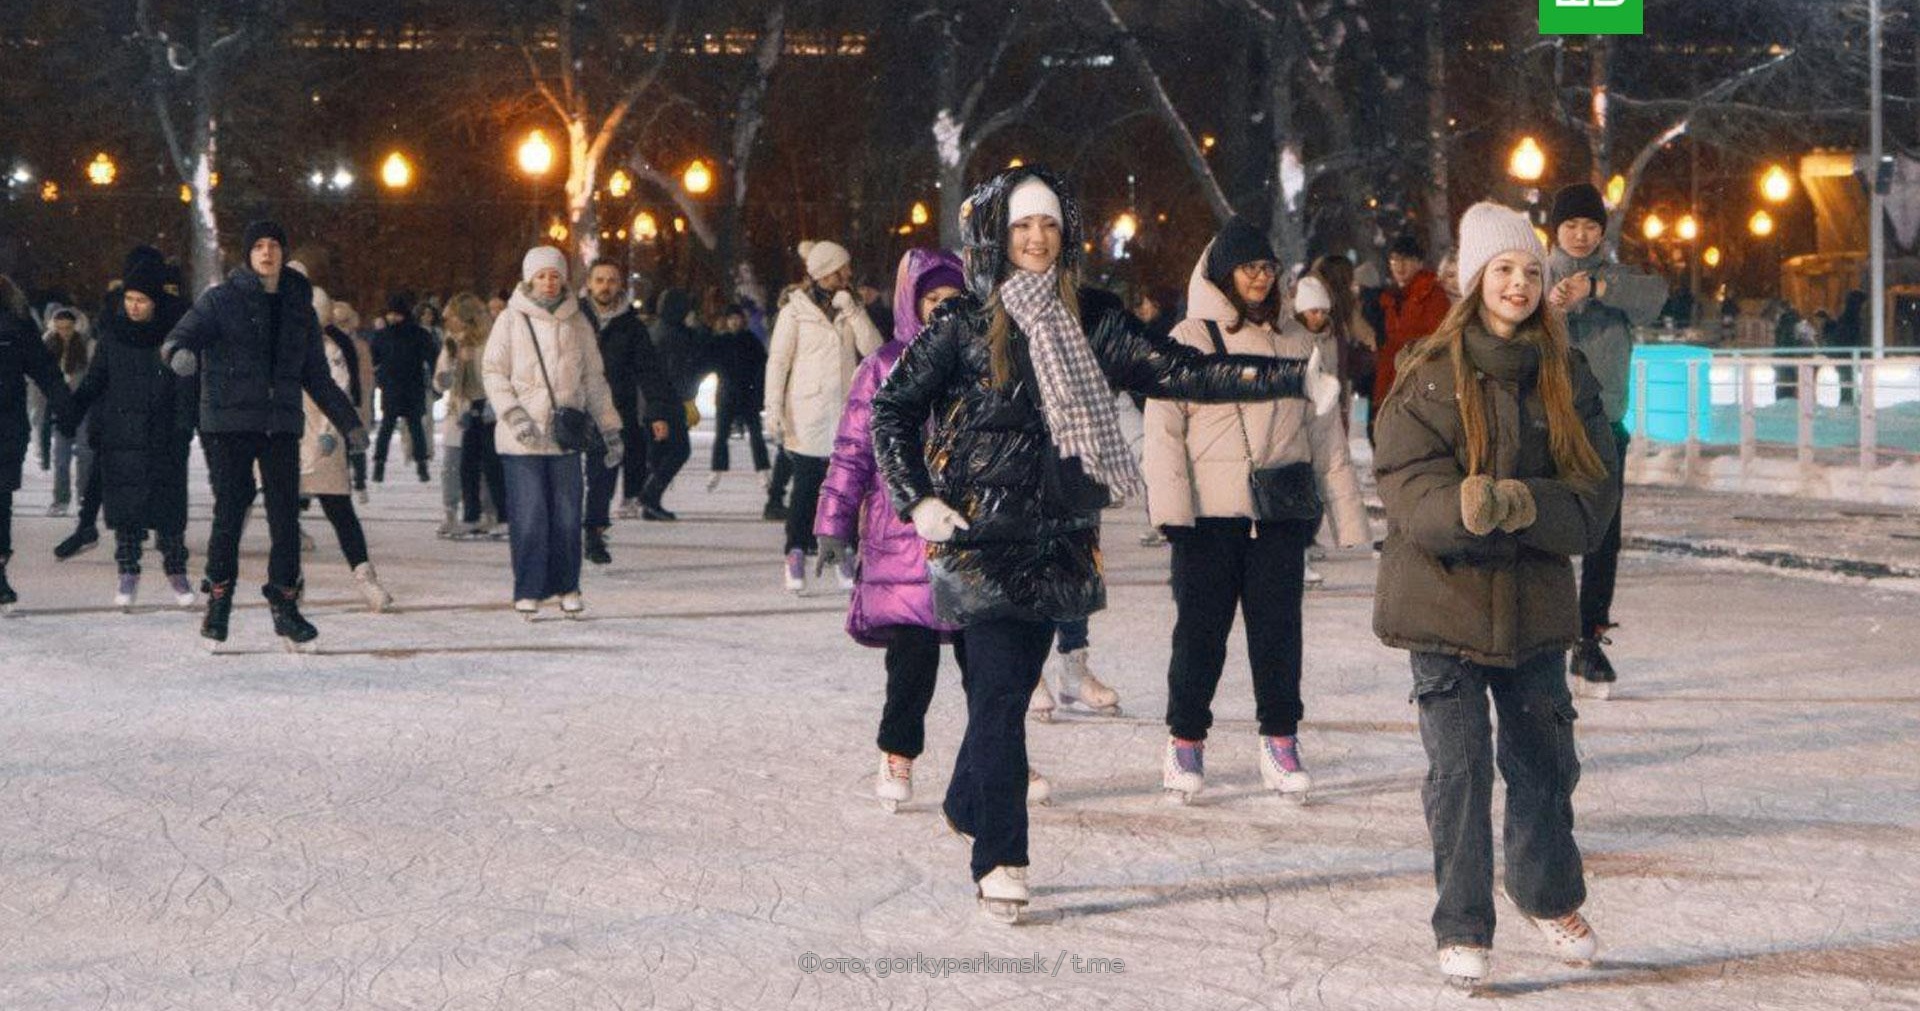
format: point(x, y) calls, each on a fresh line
point(1195, 457)
point(1410, 313)
point(1504, 598)
point(515, 385)
point(142, 422)
point(891, 587)
point(810, 361)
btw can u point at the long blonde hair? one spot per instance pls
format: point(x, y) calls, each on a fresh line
point(467, 318)
point(999, 324)
point(1573, 455)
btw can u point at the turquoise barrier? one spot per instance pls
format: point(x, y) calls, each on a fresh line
point(1666, 389)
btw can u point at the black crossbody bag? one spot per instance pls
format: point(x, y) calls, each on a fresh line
point(1286, 492)
point(573, 429)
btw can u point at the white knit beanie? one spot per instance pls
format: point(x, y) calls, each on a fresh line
point(540, 258)
point(1489, 229)
point(823, 258)
point(1311, 293)
point(1033, 197)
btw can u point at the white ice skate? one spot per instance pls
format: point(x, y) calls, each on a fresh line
point(1039, 789)
point(528, 609)
point(1570, 937)
point(1599, 691)
point(1080, 690)
point(894, 785)
point(183, 594)
point(449, 527)
point(1466, 966)
point(793, 571)
point(1040, 707)
point(713, 480)
point(127, 591)
point(1313, 578)
point(1183, 769)
point(571, 607)
point(378, 599)
point(1281, 769)
point(1003, 894)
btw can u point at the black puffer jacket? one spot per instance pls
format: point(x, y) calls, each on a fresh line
point(252, 376)
point(403, 357)
point(143, 418)
point(642, 390)
point(682, 351)
point(23, 357)
point(1032, 548)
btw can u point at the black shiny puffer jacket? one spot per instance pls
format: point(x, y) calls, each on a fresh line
point(1032, 550)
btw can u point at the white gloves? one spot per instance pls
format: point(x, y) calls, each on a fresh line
point(845, 301)
point(616, 450)
point(1323, 388)
point(523, 427)
point(935, 521)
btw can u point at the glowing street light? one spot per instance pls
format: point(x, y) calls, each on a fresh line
point(1687, 229)
point(317, 179)
point(21, 175)
point(645, 227)
point(1653, 227)
point(557, 231)
point(396, 173)
point(698, 178)
point(101, 170)
point(679, 225)
point(186, 193)
point(1616, 189)
point(342, 179)
point(1527, 163)
point(619, 184)
point(1015, 163)
point(1776, 185)
point(1761, 224)
point(535, 154)
point(1126, 226)
point(49, 191)
point(1711, 256)
point(919, 214)
point(1207, 141)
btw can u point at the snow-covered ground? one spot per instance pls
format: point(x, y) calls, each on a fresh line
point(669, 805)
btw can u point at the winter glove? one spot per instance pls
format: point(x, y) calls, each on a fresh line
point(328, 443)
point(845, 301)
point(1323, 388)
point(1516, 505)
point(935, 521)
point(833, 552)
point(1480, 511)
point(521, 424)
point(184, 363)
point(357, 441)
point(616, 450)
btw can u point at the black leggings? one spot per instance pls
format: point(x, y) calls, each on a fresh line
point(913, 663)
point(479, 459)
point(808, 474)
point(346, 527)
point(128, 543)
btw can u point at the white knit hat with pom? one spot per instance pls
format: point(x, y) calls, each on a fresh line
point(823, 258)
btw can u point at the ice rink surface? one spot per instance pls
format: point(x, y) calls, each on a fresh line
point(669, 805)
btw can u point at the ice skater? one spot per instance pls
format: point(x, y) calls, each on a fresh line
point(23, 358)
point(1024, 451)
point(1495, 461)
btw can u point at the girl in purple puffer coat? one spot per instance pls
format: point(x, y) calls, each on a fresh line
point(892, 604)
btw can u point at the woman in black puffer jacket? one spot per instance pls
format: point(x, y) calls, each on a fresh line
point(1023, 454)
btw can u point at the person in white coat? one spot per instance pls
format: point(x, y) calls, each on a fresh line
point(1229, 553)
point(542, 358)
point(325, 474)
point(818, 339)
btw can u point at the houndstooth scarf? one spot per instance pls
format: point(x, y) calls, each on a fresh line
point(1074, 395)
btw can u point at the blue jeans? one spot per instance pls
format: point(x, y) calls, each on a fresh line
point(543, 506)
point(1537, 760)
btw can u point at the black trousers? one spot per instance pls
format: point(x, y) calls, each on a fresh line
point(665, 457)
point(602, 482)
point(1599, 571)
point(633, 463)
point(128, 543)
point(415, 431)
point(90, 495)
point(1220, 565)
point(731, 416)
point(340, 515)
point(480, 460)
point(809, 472)
point(987, 796)
point(913, 664)
point(232, 457)
point(782, 476)
point(6, 523)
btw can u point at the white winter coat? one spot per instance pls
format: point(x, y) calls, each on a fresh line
point(322, 471)
point(511, 372)
point(810, 364)
point(1195, 460)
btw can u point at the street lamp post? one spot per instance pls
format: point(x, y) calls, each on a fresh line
point(1527, 164)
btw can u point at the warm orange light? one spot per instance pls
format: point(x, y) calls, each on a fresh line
point(1711, 256)
point(49, 191)
point(1776, 185)
point(698, 178)
point(1761, 224)
point(557, 231)
point(1688, 229)
point(1126, 226)
point(1653, 227)
point(535, 154)
point(645, 228)
point(919, 214)
point(101, 170)
point(1527, 163)
point(619, 184)
point(396, 173)
point(1616, 189)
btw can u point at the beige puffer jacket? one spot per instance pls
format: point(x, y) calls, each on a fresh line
point(323, 450)
point(810, 363)
point(511, 372)
point(1195, 458)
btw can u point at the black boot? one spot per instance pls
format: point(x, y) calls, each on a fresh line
point(85, 538)
point(774, 512)
point(421, 466)
point(287, 622)
point(7, 597)
point(213, 627)
point(653, 511)
point(1590, 666)
point(596, 547)
point(379, 471)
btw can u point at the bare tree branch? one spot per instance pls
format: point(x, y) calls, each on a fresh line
point(540, 82)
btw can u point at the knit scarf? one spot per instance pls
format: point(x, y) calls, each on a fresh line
point(1073, 391)
point(1562, 264)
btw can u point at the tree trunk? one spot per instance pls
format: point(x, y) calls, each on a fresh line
point(1196, 160)
point(203, 220)
point(583, 224)
point(1439, 136)
point(1599, 114)
point(748, 119)
point(1287, 229)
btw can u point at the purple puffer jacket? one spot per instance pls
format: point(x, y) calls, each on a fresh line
point(891, 585)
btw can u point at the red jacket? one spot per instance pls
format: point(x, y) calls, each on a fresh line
point(1413, 312)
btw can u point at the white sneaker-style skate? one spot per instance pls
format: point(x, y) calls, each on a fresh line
point(629, 509)
point(793, 571)
point(1080, 690)
point(1003, 894)
point(1583, 688)
point(129, 588)
point(449, 527)
point(894, 785)
point(1039, 789)
point(1466, 966)
point(1312, 577)
point(183, 594)
point(378, 599)
point(1040, 707)
point(713, 480)
point(527, 609)
point(1570, 937)
point(1281, 769)
point(571, 606)
point(1183, 769)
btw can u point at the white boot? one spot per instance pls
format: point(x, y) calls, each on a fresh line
point(1079, 689)
point(449, 526)
point(127, 591)
point(1183, 769)
point(1570, 937)
point(1039, 790)
point(378, 599)
point(525, 608)
point(1281, 769)
point(571, 606)
point(894, 785)
point(1040, 707)
point(1003, 894)
point(713, 480)
point(1465, 966)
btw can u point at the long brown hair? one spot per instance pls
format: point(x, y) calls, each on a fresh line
point(1337, 271)
point(999, 323)
point(1573, 455)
